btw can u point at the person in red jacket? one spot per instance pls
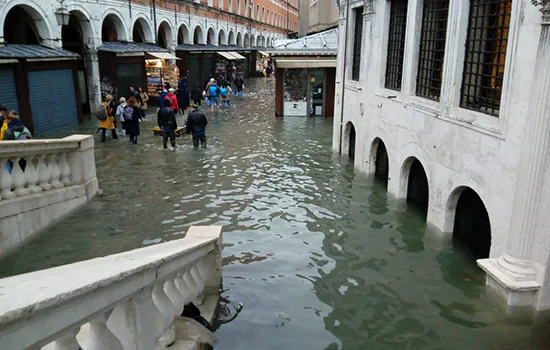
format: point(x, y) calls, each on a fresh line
point(174, 99)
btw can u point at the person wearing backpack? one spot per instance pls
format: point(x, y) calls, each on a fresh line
point(167, 122)
point(225, 93)
point(214, 96)
point(106, 120)
point(132, 115)
point(120, 115)
point(16, 130)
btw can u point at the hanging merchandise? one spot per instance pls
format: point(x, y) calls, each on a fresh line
point(158, 74)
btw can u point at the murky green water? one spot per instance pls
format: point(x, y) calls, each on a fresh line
point(318, 254)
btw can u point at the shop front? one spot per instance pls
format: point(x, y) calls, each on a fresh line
point(199, 62)
point(306, 76)
point(123, 64)
point(41, 84)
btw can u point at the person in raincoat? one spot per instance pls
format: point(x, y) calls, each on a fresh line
point(132, 116)
point(109, 122)
point(183, 96)
point(3, 122)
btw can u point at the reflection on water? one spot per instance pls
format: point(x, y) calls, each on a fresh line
point(318, 254)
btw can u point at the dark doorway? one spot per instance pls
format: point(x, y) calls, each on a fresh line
point(138, 34)
point(19, 28)
point(472, 228)
point(382, 166)
point(197, 36)
point(72, 37)
point(108, 30)
point(417, 190)
point(351, 146)
point(162, 41)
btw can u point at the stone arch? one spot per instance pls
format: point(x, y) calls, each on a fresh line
point(211, 38)
point(113, 27)
point(350, 137)
point(25, 23)
point(252, 41)
point(142, 30)
point(184, 36)
point(239, 39)
point(417, 188)
point(268, 42)
point(84, 20)
point(380, 161)
point(164, 35)
point(231, 38)
point(222, 38)
point(246, 42)
point(470, 221)
point(198, 35)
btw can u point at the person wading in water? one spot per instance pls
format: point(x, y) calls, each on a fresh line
point(196, 126)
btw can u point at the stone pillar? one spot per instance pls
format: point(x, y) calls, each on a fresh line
point(513, 274)
point(368, 18)
point(93, 80)
point(340, 78)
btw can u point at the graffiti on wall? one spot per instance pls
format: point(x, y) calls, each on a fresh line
point(107, 87)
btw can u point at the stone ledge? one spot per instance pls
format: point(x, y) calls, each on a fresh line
point(20, 205)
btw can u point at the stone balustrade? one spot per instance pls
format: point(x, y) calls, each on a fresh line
point(41, 180)
point(124, 301)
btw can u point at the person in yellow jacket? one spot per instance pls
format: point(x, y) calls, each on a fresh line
point(3, 122)
point(109, 123)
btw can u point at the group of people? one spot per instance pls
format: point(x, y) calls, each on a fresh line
point(11, 127)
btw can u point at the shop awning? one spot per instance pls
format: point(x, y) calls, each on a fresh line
point(130, 49)
point(35, 52)
point(293, 62)
point(263, 53)
point(236, 56)
point(163, 55)
point(225, 54)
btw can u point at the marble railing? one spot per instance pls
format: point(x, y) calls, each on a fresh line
point(37, 166)
point(125, 301)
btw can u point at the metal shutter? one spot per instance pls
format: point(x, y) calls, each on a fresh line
point(8, 92)
point(53, 100)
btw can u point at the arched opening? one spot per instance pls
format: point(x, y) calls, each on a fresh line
point(240, 39)
point(472, 228)
point(164, 35)
point(141, 33)
point(246, 40)
point(417, 187)
point(183, 35)
point(72, 36)
point(381, 163)
point(211, 37)
point(231, 40)
point(351, 140)
point(222, 38)
point(252, 41)
point(112, 29)
point(198, 36)
point(20, 27)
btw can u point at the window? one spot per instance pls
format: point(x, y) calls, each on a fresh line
point(263, 14)
point(252, 9)
point(258, 12)
point(396, 44)
point(246, 8)
point(238, 7)
point(221, 4)
point(357, 39)
point(432, 48)
point(273, 18)
point(484, 62)
point(230, 6)
point(210, 2)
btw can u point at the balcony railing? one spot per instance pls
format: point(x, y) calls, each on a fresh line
point(125, 301)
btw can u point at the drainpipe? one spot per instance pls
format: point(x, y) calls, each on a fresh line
point(130, 8)
point(155, 20)
point(344, 78)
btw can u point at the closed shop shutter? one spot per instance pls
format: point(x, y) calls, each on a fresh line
point(129, 74)
point(8, 92)
point(53, 100)
point(194, 72)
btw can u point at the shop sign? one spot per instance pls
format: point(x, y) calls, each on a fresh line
point(295, 109)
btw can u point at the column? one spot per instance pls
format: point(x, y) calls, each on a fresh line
point(339, 90)
point(93, 80)
point(368, 19)
point(512, 274)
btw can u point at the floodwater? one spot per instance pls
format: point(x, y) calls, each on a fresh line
point(318, 253)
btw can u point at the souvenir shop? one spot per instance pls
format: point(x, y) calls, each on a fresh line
point(160, 71)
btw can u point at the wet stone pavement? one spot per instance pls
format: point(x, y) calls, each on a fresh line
point(320, 256)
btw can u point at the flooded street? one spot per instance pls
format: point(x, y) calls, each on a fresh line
point(318, 253)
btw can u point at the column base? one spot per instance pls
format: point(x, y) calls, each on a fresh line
point(517, 289)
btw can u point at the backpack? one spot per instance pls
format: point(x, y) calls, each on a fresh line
point(223, 92)
point(24, 135)
point(101, 113)
point(128, 113)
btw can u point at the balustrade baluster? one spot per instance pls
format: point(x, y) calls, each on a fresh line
point(6, 180)
point(19, 178)
point(194, 289)
point(67, 341)
point(175, 295)
point(32, 175)
point(55, 171)
point(164, 304)
point(101, 337)
point(44, 173)
point(185, 291)
point(198, 278)
point(65, 170)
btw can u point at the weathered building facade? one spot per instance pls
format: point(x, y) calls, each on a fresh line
point(76, 33)
point(446, 103)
